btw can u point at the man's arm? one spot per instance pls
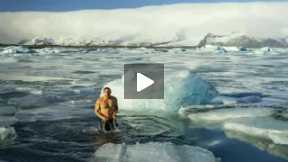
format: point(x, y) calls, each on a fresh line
point(116, 104)
point(98, 111)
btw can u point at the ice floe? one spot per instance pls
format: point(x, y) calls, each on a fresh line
point(160, 152)
point(263, 127)
point(257, 122)
point(238, 98)
point(7, 135)
point(222, 115)
point(15, 50)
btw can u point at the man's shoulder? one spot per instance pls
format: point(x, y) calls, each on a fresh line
point(99, 99)
point(113, 97)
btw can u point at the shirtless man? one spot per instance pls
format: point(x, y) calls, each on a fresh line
point(106, 108)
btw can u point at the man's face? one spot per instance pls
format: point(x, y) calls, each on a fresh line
point(107, 92)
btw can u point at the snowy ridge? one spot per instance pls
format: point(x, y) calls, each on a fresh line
point(241, 40)
point(228, 40)
point(166, 25)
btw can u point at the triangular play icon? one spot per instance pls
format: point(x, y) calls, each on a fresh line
point(143, 82)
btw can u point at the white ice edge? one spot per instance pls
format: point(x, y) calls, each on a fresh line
point(264, 127)
point(222, 115)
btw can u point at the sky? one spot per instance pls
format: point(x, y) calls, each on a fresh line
point(69, 5)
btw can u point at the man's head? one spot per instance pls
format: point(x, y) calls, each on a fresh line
point(107, 92)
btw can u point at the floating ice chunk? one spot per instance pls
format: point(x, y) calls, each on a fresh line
point(225, 100)
point(252, 121)
point(48, 51)
point(30, 90)
point(243, 49)
point(229, 113)
point(232, 49)
point(208, 48)
point(232, 99)
point(184, 87)
point(181, 88)
point(16, 49)
point(7, 134)
point(160, 152)
point(265, 51)
point(263, 127)
point(221, 49)
point(212, 48)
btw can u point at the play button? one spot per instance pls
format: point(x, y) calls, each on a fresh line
point(144, 81)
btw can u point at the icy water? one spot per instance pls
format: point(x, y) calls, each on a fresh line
point(53, 90)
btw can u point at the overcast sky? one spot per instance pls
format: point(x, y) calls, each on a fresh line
point(67, 5)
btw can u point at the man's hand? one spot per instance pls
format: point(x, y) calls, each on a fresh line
point(103, 117)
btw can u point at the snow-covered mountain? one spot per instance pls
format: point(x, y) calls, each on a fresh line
point(242, 40)
point(228, 40)
point(164, 25)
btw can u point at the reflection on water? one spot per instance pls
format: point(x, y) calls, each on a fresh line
point(263, 144)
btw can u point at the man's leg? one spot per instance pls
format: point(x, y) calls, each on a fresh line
point(108, 125)
point(114, 124)
point(100, 123)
